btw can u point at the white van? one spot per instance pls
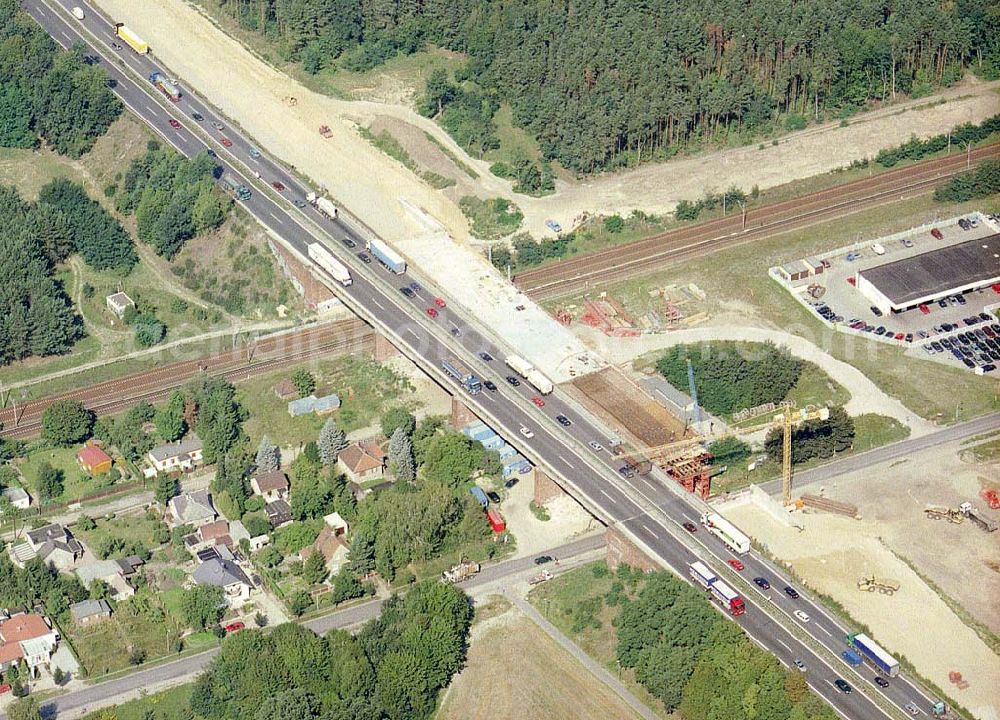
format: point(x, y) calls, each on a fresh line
point(78, 13)
point(878, 249)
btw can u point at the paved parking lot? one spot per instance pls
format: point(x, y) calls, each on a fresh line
point(962, 330)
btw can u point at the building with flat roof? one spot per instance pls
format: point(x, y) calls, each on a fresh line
point(930, 276)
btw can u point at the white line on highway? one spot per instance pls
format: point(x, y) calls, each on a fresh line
point(67, 36)
point(151, 110)
point(567, 462)
point(409, 331)
point(783, 645)
point(609, 497)
point(825, 630)
point(278, 220)
point(377, 303)
point(646, 528)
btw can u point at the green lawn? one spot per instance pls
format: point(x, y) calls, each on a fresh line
point(514, 141)
point(172, 704)
point(76, 483)
point(366, 390)
point(134, 526)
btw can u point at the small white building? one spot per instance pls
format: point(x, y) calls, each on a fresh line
point(183, 455)
point(119, 303)
point(18, 497)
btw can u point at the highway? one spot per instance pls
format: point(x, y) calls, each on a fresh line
point(649, 512)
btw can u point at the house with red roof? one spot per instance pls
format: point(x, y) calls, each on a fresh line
point(93, 460)
point(26, 637)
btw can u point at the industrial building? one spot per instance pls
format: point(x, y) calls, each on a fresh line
point(930, 276)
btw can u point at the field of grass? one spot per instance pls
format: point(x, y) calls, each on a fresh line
point(932, 390)
point(366, 390)
point(388, 144)
point(76, 483)
point(172, 704)
point(515, 670)
point(491, 219)
point(514, 142)
point(135, 526)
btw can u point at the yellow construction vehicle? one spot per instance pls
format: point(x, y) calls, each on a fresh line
point(943, 512)
point(876, 584)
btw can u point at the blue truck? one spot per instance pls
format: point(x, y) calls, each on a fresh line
point(867, 649)
point(461, 373)
point(163, 84)
point(477, 492)
point(851, 657)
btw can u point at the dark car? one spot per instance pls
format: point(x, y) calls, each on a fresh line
point(514, 382)
point(485, 357)
point(349, 242)
point(542, 559)
point(490, 385)
point(279, 186)
point(626, 472)
point(211, 152)
point(875, 311)
point(881, 681)
point(494, 498)
point(415, 287)
point(984, 317)
point(563, 420)
point(690, 527)
point(299, 203)
point(365, 258)
point(510, 483)
point(762, 583)
point(406, 291)
point(791, 592)
point(843, 686)
point(198, 116)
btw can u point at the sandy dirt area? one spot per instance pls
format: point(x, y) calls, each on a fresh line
point(515, 670)
point(866, 397)
point(567, 520)
point(832, 552)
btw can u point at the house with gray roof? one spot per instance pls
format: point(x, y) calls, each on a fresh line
point(90, 612)
point(192, 508)
point(53, 544)
point(227, 575)
point(183, 456)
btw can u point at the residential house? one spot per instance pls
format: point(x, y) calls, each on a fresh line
point(118, 574)
point(278, 513)
point(90, 612)
point(27, 637)
point(18, 497)
point(285, 390)
point(53, 544)
point(119, 303)
point(270, 485)
point(212, 534)
point(183, 455)
point(362, 461)
point(227, 575)
point(192, 508)
point(333, 547)
point(337, 522)
point(93, 460)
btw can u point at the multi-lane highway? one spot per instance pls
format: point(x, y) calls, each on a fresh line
point(647, 511)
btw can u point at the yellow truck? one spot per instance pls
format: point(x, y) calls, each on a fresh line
point(131, 39)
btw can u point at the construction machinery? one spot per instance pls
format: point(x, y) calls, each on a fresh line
point(943, 512)
point(877, 584)
point(463, 571)
point(978, 517)
point(789, 417)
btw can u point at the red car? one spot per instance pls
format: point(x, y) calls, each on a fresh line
point(853, 281)
point(440, 302)
point(226, 142)
point(538, 401)
point(735, 565)
point(235, 627)
point(924, 309)
point(278, 186)
point(174, 123)
point(937, 234)
point(431, 312)
point(900, 336)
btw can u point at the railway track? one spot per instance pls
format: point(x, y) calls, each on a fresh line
point(270, 354)
point(623, 261)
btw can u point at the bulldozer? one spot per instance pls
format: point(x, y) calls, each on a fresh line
point(942, 512)
point(876, 584)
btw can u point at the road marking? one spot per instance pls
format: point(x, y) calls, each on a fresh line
point(646, 528)
point(377, 303)
point(151, 110)
point(609, 497)
point(278, 220)
point(780, 642)
point(67, 36)
point(410, 332)
point(825, 630)
point(830, 702)
point(567, 462)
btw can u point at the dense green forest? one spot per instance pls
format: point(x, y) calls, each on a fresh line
point(601, 83)
point(393, 669)
point(47, 93)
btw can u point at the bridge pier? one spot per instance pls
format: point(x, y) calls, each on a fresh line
point(622, 551)
point(461, 415)
point(546, 489)
point(384, 350)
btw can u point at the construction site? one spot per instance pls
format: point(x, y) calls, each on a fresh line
point(661, 309)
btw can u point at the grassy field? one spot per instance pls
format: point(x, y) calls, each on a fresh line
point(575, 603)
point(134, 526)
point(172, 704)
point(491, 219)
point(932, 390)
point(515, 670)
point(366, 390)
point(388, 144)
point(76, 483)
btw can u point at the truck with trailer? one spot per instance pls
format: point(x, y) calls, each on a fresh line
point(460, 372)
point(728, 598)
point(131, 39)
point(392, 260)
point(324, 205)
point(541, 383)
point(163, 84)
point(519, 365)
point(234, 187)
point(726, 532)
point(701, 574)
point(872, 652)
point(325, 259)
point(463, 571)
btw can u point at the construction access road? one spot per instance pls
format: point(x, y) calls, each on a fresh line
point(649, 513)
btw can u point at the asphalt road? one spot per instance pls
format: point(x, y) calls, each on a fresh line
point(648, 511)
point(185, 669)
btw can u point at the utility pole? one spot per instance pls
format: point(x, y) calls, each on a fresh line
point(968, 154)
point(743, 209)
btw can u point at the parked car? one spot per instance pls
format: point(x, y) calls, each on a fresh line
point(852, 256)
point(937, 234)
point(510, 483)
point(735, 564)
point(924, 309)
point(690, 527)
point(234, 627)
point(553, 226)
point(494, 498)
point(852, 281)
point(907, 242)
point(875, 311)
point(762, 583)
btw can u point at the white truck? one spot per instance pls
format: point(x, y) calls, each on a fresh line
point(78, 13)
point(519, 365)
point(330, 264)
point(541, 383)
point(324, 205)
point(726, 532)
point(460, 572)
point(700, 573)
